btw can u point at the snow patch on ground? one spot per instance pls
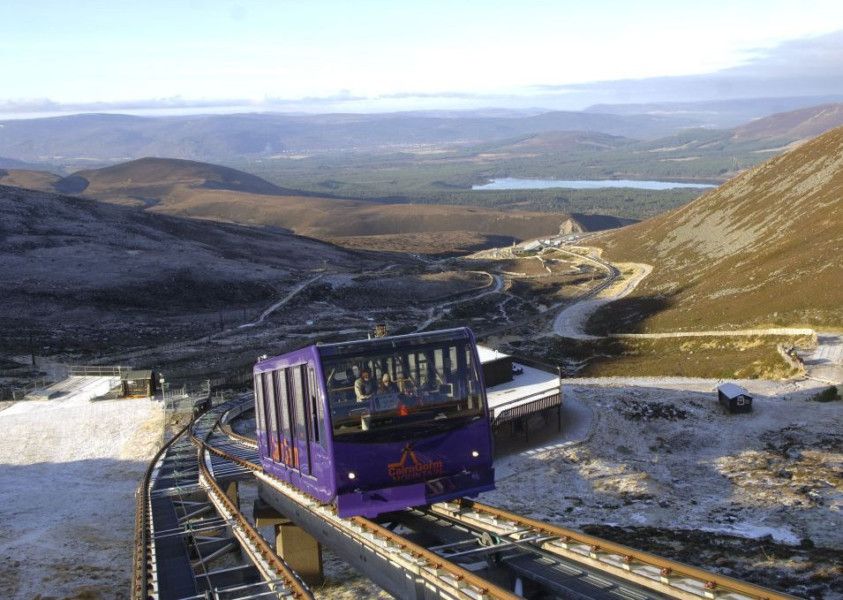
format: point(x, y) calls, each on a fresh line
point(688, 464)
point(68, 473)
point(780, 534)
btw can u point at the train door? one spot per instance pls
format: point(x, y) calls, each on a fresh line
point(291, 430)
point(302, 410)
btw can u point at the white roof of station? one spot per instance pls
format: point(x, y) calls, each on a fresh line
point(531, 385)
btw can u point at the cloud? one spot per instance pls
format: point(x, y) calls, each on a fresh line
point(807, 67)
point(804, 67)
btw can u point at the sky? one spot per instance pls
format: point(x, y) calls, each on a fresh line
point(390, 54)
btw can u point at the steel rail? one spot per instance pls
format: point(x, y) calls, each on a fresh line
point(432, 567)
point(141, 559)
point(654, 572)
point(224, 424)
point(451, 580)
point(237, 437)
point(271, 566)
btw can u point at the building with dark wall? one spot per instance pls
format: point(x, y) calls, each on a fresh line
point(137, 384)
point(734, 398)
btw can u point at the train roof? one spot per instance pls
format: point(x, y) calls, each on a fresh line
point(390, 342)
point(358, 347)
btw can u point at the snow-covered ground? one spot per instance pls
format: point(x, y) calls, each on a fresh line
point(669, 458)
point(68, 472)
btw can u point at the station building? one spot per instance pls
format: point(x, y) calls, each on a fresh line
point(516, 391)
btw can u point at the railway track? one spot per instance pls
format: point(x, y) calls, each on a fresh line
point(462, 549)
point(192, 541)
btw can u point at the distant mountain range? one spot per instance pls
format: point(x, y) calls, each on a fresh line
point(110, 138)
point(718, 113)
point(696, 154)
point(765, 248)
point(107, 138)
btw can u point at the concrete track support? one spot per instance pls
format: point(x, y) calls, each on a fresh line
point(232, 490)
point(297, 547)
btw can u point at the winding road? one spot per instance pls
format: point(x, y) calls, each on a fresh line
point(280, 303)
point(496, 286)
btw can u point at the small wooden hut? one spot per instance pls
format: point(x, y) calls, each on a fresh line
point(734, 398)
point(137, 384)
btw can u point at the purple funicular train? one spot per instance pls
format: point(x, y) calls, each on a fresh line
point(377, 425)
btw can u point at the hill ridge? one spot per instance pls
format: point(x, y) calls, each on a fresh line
point(764, 248)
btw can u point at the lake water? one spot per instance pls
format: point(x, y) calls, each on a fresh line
point(513, 183)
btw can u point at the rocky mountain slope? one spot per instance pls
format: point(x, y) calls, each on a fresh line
point(77, 265)
point(764, 248)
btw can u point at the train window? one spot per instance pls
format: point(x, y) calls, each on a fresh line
point(317, 412)
point(424, 388)
point(272, 417)
point(303, 413)
point(258, 403)
point(282, 403)
point(298, 399)
point(279, 394)
point(259, 408)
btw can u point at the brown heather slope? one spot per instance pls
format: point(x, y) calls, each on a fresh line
point(341, 220)
point(765, 248)
point(147, 178)
point(793, 125)
point(187, 188)
point(31, 180)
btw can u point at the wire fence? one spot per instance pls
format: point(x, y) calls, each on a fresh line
point(97, 370)
point(28, 379)
point(182, 398)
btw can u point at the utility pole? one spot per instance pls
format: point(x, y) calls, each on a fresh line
point(31, 348)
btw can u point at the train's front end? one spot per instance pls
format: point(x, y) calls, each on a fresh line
point(409, 421)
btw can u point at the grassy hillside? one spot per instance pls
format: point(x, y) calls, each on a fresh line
point(764, 248)
point(31, 180)
point(137, 175)
point(199, 190)
point(794, 125)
